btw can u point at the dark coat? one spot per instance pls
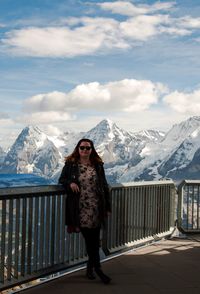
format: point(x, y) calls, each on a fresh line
point(70, 174)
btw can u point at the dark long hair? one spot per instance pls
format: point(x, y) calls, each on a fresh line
point(74, 156)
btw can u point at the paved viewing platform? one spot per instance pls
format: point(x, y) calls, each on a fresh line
point(166, 266)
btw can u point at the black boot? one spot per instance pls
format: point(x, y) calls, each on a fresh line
point(90, 273)
point(105, 279)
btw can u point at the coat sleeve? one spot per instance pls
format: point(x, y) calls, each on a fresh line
point(72, 200)
point(65, 176)
point(105, 188)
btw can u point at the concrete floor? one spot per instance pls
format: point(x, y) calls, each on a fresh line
point(168, 266)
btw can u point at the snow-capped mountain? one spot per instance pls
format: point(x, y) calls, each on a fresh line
point(150, 135)
point(128, 156)
point(32, 152)
point(66, 142)
point(181, 131)
point(112, 143)
point(185, 158)
point(173, 157)
point(35, 152)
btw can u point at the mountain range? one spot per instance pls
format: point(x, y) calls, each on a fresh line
point(128, 156)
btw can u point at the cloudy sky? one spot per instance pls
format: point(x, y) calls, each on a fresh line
point(67, 64)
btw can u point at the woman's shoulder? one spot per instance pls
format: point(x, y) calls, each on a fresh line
point(70, 162)
point(99, 165)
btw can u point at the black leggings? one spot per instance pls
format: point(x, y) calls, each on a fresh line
point(92, 242)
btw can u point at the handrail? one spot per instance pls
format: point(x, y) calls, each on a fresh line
point(143, 183)
point(27, 191)
point(34, 241)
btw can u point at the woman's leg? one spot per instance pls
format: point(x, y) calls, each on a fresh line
point(92, 237)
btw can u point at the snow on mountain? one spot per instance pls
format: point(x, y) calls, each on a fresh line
point(32, 152)
point(66, 142)
point(106, 131)
point(181, 131)
point(150, 135)
point(111, 142)
point(182, 156)
point(120, 149)
point(167, 157)
point(35, 152)
point(115, 145)
point(145, 155)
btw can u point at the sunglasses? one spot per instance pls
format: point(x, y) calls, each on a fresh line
point(85, 148)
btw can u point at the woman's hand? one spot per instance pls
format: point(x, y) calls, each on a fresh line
point(74, 187)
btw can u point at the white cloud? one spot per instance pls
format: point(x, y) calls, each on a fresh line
point(185, 103)
point(189, 22)
point(66, 41)
point(162, 6)
point(175, 31)
point(127, 95)
point(3, 115)
point(6, 122)
point(52, 130)
point(129, 9)
point(8, 132)
point(123, 7)
point(52, 42)
point(182, 26)
point(142, 27)
point(88, 35)
point(45, 117)
point(45, 102)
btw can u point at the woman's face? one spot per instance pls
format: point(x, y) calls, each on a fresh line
point(85, 149)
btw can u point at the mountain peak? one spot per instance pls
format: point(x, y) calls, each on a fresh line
point(179, 132)
point(31, 129)
point(194, 118)
point(190, 122)
point(30, 135)
point(106, 124)
point(106, 130)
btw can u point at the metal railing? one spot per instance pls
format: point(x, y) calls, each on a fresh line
point(140, 211)
point(189, 206)
point(33, 237)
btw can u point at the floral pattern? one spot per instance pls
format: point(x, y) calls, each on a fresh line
point(89, 215)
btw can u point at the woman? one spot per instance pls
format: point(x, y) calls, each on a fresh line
point(87, 203)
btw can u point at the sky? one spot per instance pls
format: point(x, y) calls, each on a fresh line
point(66, 65)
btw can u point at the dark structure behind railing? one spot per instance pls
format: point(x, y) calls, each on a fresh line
point(33, 237)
